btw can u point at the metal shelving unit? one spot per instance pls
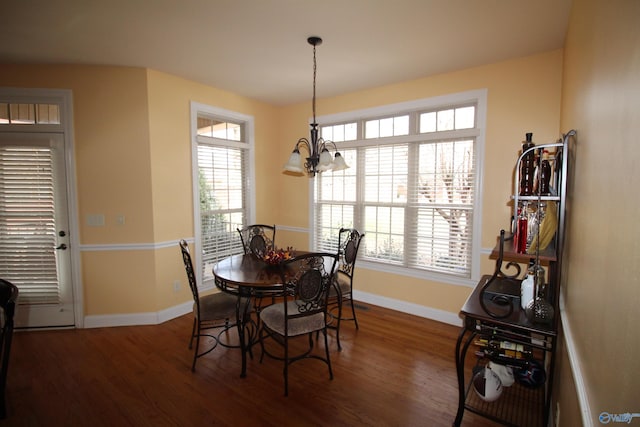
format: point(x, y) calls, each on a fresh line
point(493, 310)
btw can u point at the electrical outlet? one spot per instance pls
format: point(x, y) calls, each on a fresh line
point(176, 286)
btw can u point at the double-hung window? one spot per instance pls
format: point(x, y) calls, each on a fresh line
point(223, 199)
point(412, 187)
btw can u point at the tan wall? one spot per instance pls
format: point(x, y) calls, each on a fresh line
point(170, 98)
point(523, 96)
point(133, 144)
point(133, 158)
point(111, 136)
point(601, 99)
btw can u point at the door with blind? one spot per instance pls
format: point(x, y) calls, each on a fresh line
point(34, 227)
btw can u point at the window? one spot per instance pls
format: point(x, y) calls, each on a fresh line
point(221, 177)
point(412, 186)
point(18, 113)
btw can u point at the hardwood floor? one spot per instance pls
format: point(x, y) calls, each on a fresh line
point(397, 370)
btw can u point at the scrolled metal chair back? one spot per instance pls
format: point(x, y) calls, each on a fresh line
point(308, 277)
point(188, 266)
point(257, 239)
point(348, 244)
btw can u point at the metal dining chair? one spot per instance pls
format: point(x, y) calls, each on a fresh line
point(210, 312)
point(349, 240)
point(8, 296)
point(257, 238)
point(303, 310)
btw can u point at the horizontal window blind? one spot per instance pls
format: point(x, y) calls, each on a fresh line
point(27, 223)
point(411, 188)
point(223, 200)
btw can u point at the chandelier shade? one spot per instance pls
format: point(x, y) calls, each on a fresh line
point(320, 158)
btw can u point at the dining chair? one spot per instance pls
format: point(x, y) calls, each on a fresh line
point(257, 238)
point(349, 240)
point(210, 312)
point(302, 311)
point(8, 297)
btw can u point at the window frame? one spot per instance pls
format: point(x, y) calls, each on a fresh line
point(248, 124)
point(476, 97)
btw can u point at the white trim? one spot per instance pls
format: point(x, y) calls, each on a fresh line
point(478, 97)
point(576, 367)
point(133, 246)
point(137, 319)
point(417, 273)
point(63, 97)
point(409, 308)
point(154, 318)
point(293, 229)
point(249, 127)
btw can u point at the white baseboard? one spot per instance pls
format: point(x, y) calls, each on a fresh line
point(410, 308)
point(136, 319)
point(576, 367)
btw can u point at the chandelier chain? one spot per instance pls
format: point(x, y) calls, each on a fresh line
point(314, 83)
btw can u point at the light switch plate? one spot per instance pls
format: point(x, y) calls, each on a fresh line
point(95, 220)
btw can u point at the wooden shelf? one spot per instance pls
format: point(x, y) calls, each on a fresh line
point(510, 254)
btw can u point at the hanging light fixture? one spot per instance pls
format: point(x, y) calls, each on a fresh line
point(319, 159)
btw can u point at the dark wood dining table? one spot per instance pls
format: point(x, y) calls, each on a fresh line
point(248, 277)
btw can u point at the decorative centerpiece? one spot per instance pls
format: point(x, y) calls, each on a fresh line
point(276, 256)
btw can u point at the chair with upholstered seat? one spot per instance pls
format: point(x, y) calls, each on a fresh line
point(257, 238)
point(217, 311)
point(303, 310)
point(348, 244)
point(8, 297)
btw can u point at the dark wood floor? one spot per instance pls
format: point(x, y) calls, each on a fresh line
point(397, 370)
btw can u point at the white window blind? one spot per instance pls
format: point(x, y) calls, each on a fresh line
point(27, 223)
point(224, 199)
point(411, 188)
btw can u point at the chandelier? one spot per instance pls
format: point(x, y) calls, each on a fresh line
point(319, 159)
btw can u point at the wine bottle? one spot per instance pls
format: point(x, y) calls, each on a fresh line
point(545, 174)
point(527, 166)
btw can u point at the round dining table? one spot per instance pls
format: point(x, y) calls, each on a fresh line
point(249, 278)
point(246, 274)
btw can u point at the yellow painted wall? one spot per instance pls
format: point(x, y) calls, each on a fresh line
point(112, 143)
point(133, 156)
point(170, 98)
point(601, 99)
point(523, 96)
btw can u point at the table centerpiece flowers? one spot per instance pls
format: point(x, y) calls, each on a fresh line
point(275, 256)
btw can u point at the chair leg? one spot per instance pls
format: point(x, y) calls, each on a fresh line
point(353, 311)
point(286, 366)
point(195, 352)
point(338, 325)
point(193, 333)
point(326, 350)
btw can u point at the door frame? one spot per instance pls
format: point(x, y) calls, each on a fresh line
point(63, 97)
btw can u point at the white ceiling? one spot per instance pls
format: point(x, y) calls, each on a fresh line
point(258, 48)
